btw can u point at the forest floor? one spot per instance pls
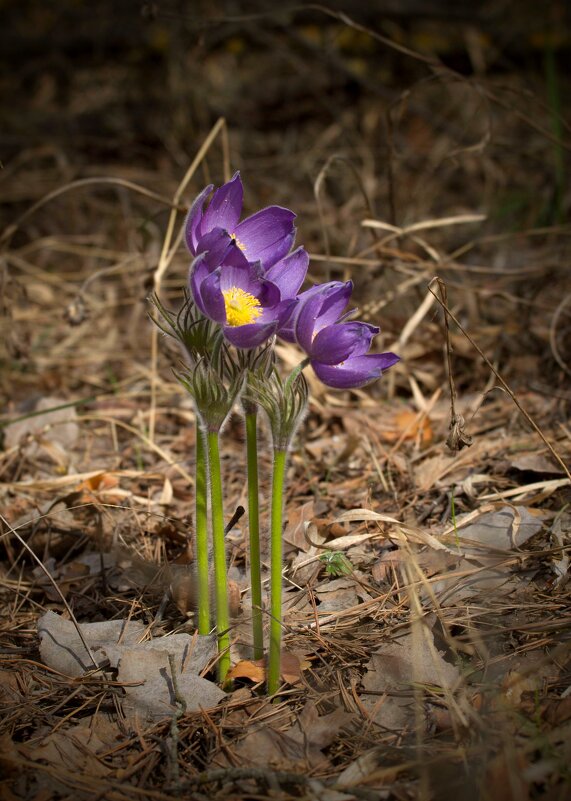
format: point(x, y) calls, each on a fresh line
point(433, 661)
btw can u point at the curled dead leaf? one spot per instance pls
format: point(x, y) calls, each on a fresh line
point(291, 669)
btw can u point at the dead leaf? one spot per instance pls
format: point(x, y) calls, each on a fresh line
point(9, 756)
point(536, 463)
point(395, 668)
point(61, 647)
point(54, 431)
point(558, 711)
point(149, 686)
point(74, 749)
point(561, 533)
point(337, 595)
point(502, 529)
point(505, 777)
point(301, 745)
point(291, 667)
point(298, 520)
point(254, 670)
point(98, 488)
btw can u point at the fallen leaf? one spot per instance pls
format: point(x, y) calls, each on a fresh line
point(149, 689)
point(536, 463)
point(395, 668)
point(291, 667)
point(248, 669)
point(298, 520)
point(62, 649)
point(56, 431)
point(74, 749)
point(301, 745)
point(503, 529)
point(558, 711)
point(98, 488)
point(561, 533)
point(337, 595)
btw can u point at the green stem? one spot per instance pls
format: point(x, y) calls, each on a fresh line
point(219, 549)
point(254, 529)
point(280, 457)
point(201, 530)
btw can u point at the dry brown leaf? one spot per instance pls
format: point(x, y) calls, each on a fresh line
point(298, 520)
point(505, 777)
point(536, 463)
point(149, 687)
point(57, 428)
point(301, 745)
point(291, 667)
point(396, 667)
point(254, 670)
point(74, 749)
point(409, 425)
point(558, 711)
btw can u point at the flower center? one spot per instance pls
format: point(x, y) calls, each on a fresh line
point(237, 241)
point(241, 307)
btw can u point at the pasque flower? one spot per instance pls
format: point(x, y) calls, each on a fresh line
point(337, 350)
point(247, 302)
point(266, 236)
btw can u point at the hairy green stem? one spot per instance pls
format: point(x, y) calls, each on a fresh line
point(219, 549)
point(276, 564)
point(254, 530)
point(201, 532)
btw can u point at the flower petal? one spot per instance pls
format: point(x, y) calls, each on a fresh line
point(199, 270)
point(214, 245)
point(354, 372)
point(211, 299)
point(320, 306)
point(289, 273)
point(305, 321)
point(236, 271)
point(335, 343)
point(194, 218)
point(287, 330)
point(267, 235)
point(335, 296)
point(225, 207)
point(251, 335)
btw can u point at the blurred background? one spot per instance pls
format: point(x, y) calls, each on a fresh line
point(402, 112)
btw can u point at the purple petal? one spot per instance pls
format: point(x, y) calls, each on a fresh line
point(289, 273)
point(225, 207)
point(214, 245)
point(305, 322)
point(268, 294)
point(335, 343)
point(267, 235)
point(249, 336)
point(335, 298)
point(236, 271)
point(355, 372)
point(199, 270)
point(211, 299)
point(194, 218)
point(287, 331)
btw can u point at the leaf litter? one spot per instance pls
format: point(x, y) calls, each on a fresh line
point(439, 663)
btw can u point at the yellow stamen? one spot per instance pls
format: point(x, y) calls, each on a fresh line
point(237, 241)
point(241, 307)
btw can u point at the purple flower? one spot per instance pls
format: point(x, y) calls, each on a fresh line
point(337, 350)
point(239, 296)
point(266, 236)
